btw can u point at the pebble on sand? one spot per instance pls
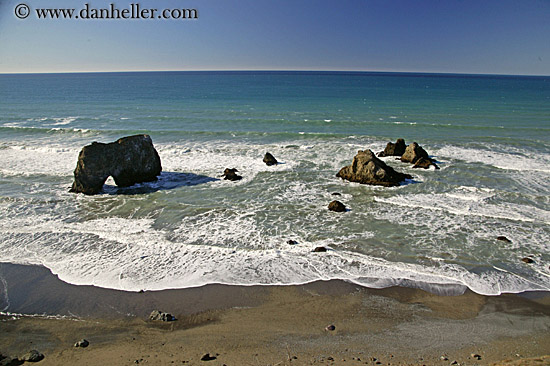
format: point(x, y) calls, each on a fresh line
point(33, 356)
point(208, 357)
point(82, 343)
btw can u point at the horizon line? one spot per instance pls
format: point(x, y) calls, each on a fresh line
point(273, 71)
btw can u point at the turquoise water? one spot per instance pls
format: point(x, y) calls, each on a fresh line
point(489, 134)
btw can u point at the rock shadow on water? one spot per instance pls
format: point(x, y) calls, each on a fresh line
point(166, 181)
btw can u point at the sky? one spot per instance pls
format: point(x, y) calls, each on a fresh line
point(448, 36)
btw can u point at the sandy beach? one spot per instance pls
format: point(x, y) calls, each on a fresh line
point(273, 325)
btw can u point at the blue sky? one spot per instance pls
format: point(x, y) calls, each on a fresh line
point(487, 37)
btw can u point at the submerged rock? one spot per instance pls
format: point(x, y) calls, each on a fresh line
point(527, 260)
point(394, 149)
point(336, 206)
point(231, 174)
point(503, 238)
point(366, 168)
point(291, 242)
point(129, 160)
point(162, 316)
point(270, 159)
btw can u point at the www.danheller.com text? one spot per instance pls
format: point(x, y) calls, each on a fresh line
point(133, 11)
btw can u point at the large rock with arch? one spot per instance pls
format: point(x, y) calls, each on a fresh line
point(129, 160)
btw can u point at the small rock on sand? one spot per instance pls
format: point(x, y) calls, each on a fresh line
point(330, 327)
point(160, 315)
point(208, 357)
point(82, 343)
point(33, 356)
point(8, 361)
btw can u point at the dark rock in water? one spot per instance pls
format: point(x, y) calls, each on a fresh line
point(392, 149)
point(160, 315)
point(270, 159)
point(366, 168)
point(128, 160)
point(336, 194)
point(33, 356)
point(319, 250)
point(503, 238)
point(413, 152)
point(231, 174)
point(425, 163)
point(82, 343)
point(336, 206)
point(527, 260)
point(292, 242)
point(208, 357)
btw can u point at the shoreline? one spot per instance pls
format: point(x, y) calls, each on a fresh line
point(35, 290)
point(268, 325)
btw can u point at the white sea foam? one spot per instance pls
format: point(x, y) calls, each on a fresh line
point(27, 160)
point(513, 159)
point(235, 245)
point(131, 254)
point(63, 121)
point(470, 201)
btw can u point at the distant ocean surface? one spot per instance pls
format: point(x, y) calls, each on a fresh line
point(489, 134)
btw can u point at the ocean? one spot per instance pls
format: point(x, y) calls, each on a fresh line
point(490, 136)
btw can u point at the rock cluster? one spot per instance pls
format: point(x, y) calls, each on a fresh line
point(128, 160)
point(366, 168)
point(412, 153)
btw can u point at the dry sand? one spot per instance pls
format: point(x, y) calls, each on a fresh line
point(275, 325)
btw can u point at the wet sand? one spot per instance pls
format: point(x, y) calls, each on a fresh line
point(268, 325)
